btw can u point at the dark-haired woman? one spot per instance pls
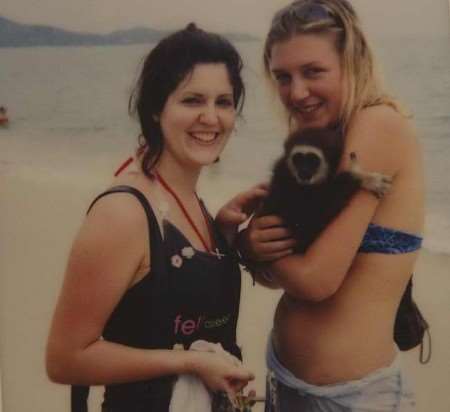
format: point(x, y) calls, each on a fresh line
point(149, 268)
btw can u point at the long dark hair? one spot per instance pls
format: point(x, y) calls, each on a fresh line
point(167, 64)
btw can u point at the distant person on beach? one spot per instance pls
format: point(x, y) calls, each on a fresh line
point(3, 115)
point(332, 345)
point(150, 268)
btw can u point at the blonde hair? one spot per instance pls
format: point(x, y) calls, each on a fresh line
point(364, 86)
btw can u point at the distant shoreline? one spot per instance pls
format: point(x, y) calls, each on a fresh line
point(13, 34)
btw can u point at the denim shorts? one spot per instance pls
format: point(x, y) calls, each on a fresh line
point(384, 390)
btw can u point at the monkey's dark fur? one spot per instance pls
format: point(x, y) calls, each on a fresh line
point(307, 190)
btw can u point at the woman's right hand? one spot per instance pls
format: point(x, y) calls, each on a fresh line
point(219, 372)
point(266, 239)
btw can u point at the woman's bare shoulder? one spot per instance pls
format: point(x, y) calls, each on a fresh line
point(383, 122)
point(116, 216)
point(382, 138)
point(118, 209)
point(123, 208)
point(112, 239)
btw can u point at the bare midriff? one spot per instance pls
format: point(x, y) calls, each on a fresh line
point(350, 334)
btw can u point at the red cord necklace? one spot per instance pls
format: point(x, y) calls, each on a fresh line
point(166, 186)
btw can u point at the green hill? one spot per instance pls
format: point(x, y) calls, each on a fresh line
point(13, 34)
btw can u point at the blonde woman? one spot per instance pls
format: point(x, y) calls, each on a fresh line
point(332, 345)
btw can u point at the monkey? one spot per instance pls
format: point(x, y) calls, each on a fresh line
point(308, 191)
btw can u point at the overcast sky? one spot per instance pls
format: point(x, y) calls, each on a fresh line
point(252, 16)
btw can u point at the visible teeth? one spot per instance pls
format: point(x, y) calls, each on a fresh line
point(204, 136)
point(308, 109)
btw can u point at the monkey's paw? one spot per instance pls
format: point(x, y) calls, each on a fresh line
point(374, 182)
point(377, 183)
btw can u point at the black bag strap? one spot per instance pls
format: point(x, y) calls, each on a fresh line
point(79, 393)
point(411, 327)
point(424, 359)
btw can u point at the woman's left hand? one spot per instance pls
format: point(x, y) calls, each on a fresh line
point(238, 210)
point(266, 239)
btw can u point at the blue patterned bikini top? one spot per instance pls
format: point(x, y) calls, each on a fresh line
point(380, 239)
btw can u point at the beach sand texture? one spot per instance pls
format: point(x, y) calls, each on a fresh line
point(40, 214)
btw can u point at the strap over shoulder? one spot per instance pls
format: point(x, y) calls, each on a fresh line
point(154, 231)
point(79, 394)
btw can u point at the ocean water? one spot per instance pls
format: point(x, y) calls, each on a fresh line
point(68, 110)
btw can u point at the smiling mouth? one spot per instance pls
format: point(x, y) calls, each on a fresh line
point(204, 137)
point(307, 109)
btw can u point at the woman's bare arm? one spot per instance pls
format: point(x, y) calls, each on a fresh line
point(379, 136)
point(106, 255)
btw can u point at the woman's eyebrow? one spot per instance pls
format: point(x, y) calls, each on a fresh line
point(307, 65)
point(278, 71)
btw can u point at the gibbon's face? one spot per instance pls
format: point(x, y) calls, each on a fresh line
point(312, 155)
point(307, 165)
point(308, 74)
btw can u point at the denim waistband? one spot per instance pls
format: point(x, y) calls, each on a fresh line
point(284, 376)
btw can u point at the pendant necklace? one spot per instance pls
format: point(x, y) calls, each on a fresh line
point(180, 204)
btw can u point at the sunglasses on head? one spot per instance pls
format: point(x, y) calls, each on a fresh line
point(306, 13)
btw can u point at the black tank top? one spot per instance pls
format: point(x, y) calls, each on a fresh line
point(187, 295)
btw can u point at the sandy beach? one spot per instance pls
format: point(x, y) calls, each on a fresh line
point(40, 213)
